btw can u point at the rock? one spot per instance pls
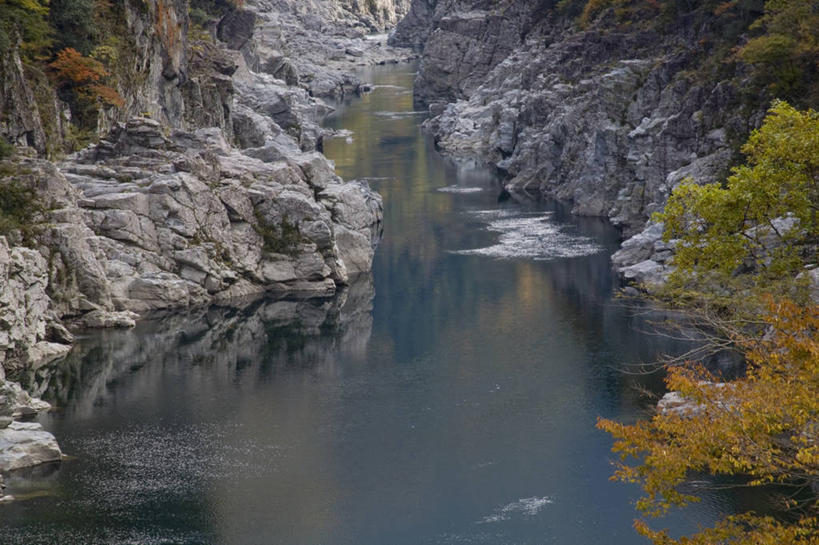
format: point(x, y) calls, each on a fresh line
point(20, 121)
point(46, 352)
point(23, 444)
point(24, 303)
point(676, 403)
point(26, 444)
point(21, 403)
point(104, 319)
point(647, 273)
point(236, 28)
point(811, 277)
point(608, 117)
point(639, 247)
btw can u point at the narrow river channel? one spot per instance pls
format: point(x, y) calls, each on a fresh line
point(449, 399)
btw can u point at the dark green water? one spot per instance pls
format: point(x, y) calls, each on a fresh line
point(449, 399)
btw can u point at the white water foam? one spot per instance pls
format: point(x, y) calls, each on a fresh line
point(459, 189)
point(399, 115)
point(531, 236)
point(525, 507)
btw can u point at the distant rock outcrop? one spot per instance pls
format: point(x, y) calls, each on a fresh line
point(610, 117)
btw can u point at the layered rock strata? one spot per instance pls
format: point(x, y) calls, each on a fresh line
point(320, 44)
point(610, 118)
point(208, 183)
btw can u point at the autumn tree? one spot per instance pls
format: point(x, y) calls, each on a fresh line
point(757, 231)
point(741, 247)
point(764, 426)
point(84, 77)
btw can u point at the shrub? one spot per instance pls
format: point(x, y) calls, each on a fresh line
point(25, 19)
point(74, 22)
point(284, 239)
point(6, 149)
point(19, 208)
point(84, 77)
point(758, 229)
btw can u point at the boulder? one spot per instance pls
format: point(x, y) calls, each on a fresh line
point(27, 444)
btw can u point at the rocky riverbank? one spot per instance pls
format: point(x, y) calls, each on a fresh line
point(207, 184)
point(605, 113)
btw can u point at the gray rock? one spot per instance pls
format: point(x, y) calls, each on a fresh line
point(26, 444)
point(104, 319)
point(647, 273)
point(236, 28)
point(811, 278)
point(607, 118)
point(640, 247)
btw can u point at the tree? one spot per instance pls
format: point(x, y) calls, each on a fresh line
point(85, 76)
point(757, 231)
point(742, 244)
point(27, 20)
point(786, 50)
point(74, 22)
point(764, 426)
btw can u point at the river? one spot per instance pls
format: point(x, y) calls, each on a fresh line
point(449, 399)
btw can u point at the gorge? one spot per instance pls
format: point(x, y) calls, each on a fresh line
point(311, 282)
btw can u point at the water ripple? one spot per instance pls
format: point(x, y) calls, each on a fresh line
point(526, 507)
point(531, 236)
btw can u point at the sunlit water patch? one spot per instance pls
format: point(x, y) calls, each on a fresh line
point(199, 454)
point(524, 507)
point(532, 236)
point(399, 115)
point(460, 189)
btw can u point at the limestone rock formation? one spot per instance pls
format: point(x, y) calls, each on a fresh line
point(318, 44)
point(210, 186)
point(610, 118)
point(22, 444)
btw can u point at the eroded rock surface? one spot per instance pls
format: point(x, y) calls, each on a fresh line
point(22, 444)
point(207, 184)
point(610, 118)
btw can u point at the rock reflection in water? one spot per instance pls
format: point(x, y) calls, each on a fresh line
point(217, 344)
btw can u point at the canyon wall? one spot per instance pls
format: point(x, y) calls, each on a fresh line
point(609, 115)
point(205, 184)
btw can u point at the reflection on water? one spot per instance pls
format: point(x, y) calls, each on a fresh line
point(241, 345)
point(453, 403)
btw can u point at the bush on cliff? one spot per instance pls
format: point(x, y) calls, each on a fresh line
point(73, 21)
point(756, 232)
point(83, 81)
point(19, 207)
point(24, 20)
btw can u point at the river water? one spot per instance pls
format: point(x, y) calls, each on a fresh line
point(449, 399)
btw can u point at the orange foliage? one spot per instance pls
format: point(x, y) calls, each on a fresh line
point(74, 69)
point(725, 7)
point(85, 75)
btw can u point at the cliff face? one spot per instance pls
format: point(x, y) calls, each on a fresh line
point(610, 117)
point(207, 183)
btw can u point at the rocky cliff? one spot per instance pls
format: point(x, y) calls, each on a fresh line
point(205, 181)
point(609, 115)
